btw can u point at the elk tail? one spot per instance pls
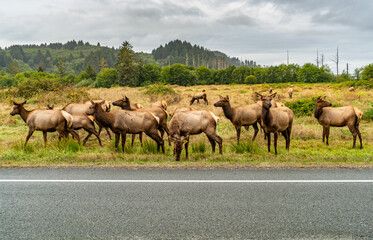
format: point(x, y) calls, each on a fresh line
point(68, 118)
point(214, 117)
point(359, 115)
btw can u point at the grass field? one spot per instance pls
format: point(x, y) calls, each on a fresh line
point(306, 148)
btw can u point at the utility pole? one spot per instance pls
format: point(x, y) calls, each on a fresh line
point(287, 56)
point(347, 70)
point(317, 58)
point(322, 60)
point(336, 60)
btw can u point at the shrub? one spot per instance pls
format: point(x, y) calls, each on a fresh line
point(159, 89)
point(304, 107)
point(251, 79)
point(368, 114)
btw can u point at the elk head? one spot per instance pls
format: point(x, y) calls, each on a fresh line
point(17, 108)
point(266, 100)
point(223, 102)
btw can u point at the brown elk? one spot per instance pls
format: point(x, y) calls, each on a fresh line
point(290, 92)
point(351, 89)
point(241, 115)
point(186, 123)
point(122, 122)
point(198, 96)
point(133, 106)
point(182, 109)
point(328, 116)
point(125, 104)
point(83, 121)
point(78, 108)
point(106, 105)
point(276, 120)
point(45, 121)
point(162, 104)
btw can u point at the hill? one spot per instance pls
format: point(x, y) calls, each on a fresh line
point(74, 57)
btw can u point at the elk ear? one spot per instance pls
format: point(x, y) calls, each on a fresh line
point(92, 102)
point(102, 102)
point(259, 95)
point(324, 97)
point(14, 103)
point(127, 98)
point(273, 95)
point(122, 98)
point(24, 102)
point(227, 97)
point(221, 97)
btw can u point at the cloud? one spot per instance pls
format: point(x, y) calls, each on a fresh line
point(261, 30)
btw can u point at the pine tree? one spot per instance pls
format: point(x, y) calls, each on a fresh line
point(128, 66)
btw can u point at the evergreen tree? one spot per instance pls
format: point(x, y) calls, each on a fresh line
point(90, 72)
point(13, 68)
point(128, 66)
point(61, 68)
point(40, 69)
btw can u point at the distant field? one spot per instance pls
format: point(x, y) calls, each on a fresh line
point(306, 148)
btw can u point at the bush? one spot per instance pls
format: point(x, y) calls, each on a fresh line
point(251, 79)
point(368, 114)
point(159, 89)
point(304, 107)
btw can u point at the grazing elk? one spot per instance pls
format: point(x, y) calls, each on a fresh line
point(125, 104)
point(84, 121)
point(122, 122)
point(276, 120)
point(186, 123)
point(328, 116)
point(198, 96)
point(162, 104)
point(351, 89)
point(241, 115)
point(45, 121)
point(78, 108)
point(290, 91)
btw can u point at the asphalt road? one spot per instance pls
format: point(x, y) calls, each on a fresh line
point(171, 209)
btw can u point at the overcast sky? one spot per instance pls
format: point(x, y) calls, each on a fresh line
point(256, 30)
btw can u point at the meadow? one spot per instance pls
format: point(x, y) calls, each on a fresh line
point(306, 147)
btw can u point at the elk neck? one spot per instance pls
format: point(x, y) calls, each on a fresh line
point(266, 116)
point(318, 112)
point(24, 113)
point(228, 111)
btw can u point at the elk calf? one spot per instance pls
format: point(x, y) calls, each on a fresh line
point(198, 96)
point(45, 121)
point(276, 120)
point(241, 115)
point(186, 123)
point(338, 117)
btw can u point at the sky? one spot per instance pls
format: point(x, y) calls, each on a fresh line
point(264, 31)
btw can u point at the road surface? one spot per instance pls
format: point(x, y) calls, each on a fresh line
point(99, 203)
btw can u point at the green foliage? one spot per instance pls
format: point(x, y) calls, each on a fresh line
point(106, 78)
point(310, 73)
point(198, 147)
point(159, 89)
point(150, 74)
point(181, 75)
point(365, 84)
point(204, 75)
point(149, 148)
point(251, 79)
point(368, 114)
point(367, 72)
point(243, 147)
point(128, 66)
point(303, 107)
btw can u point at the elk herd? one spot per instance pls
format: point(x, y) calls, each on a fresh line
point(132, 118)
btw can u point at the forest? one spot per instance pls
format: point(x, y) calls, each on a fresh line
point(79, 64)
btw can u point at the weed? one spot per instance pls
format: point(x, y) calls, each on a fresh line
point(199, 147)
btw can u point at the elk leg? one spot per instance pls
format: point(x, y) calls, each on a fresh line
point(116, 141)
point(255, 126)
point(238, 130)
point(323, 134)
point(186, 148)
point(124, 135)
point(97, 136)
point(108, 133)
point(45, 138)
point(359, 134)
point(30, 132)
point(327, 136)
point(354, 135)
point(140, 137)
point(217, 139)
point(86, 138)
point(74, 134)
point(207, 102)
point(133, 139)
point(213, 144)
point(269, 141)
point(153, 134)
point(275, 141)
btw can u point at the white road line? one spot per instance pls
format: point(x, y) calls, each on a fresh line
point(174, 181)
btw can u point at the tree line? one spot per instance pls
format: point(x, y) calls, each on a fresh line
point(128, 69)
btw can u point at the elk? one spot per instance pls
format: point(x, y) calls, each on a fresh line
point(106, 105)
point(290, 91)
point(83, 121)
point(45, 121)
point(198, 96)
point(241, 115)
point(351, 89)
point(122, 122)
point(276, 120)
point(181, 109)
point(328, 116)
point(78, 108)
point(162, 104)
point(186, 123)
point(125, 104)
